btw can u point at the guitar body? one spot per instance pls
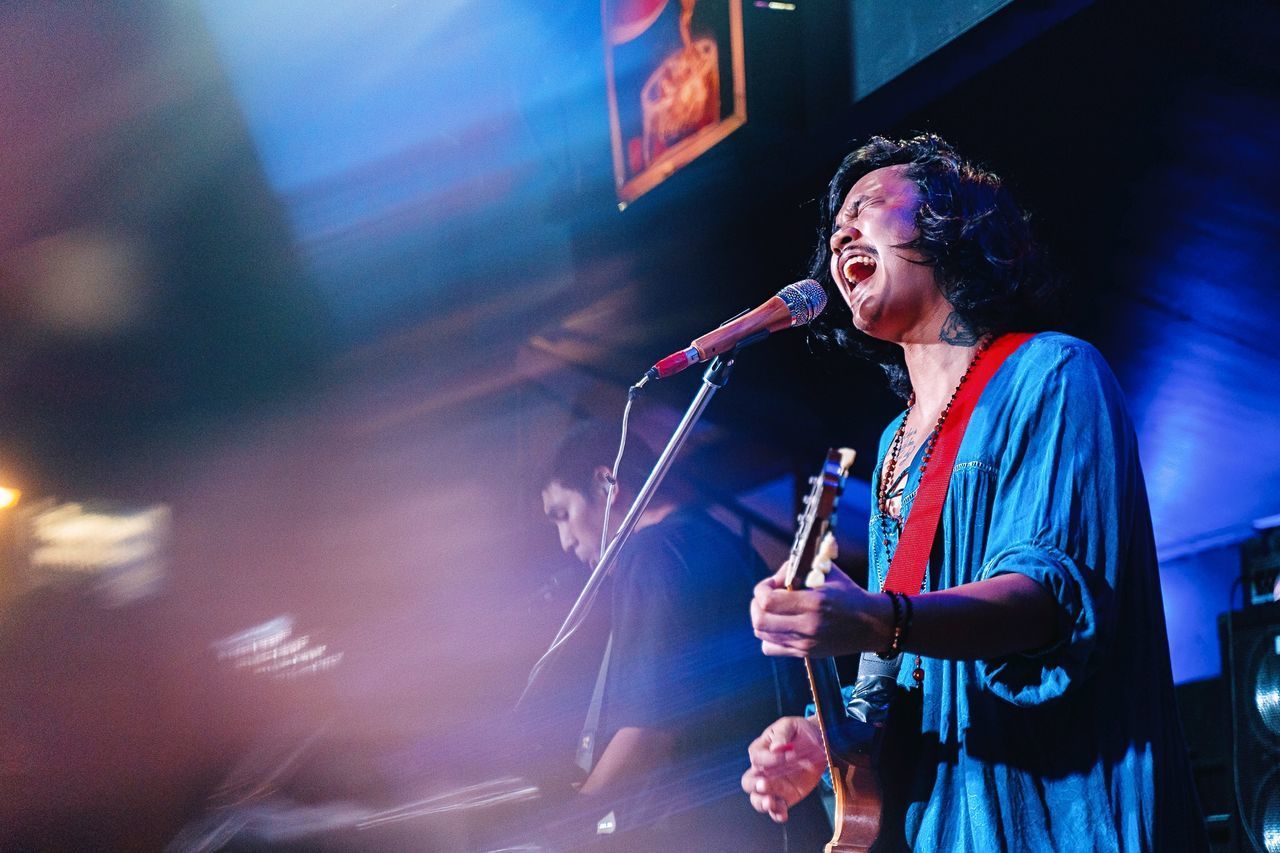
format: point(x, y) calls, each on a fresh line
point(851, 746)
point(852, 749)
point(858, 803)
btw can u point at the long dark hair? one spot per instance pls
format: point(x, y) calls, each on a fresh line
point(972, 232)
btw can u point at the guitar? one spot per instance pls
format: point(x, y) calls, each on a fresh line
point(851, 745)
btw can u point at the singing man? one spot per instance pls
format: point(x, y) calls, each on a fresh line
point(1035, 707)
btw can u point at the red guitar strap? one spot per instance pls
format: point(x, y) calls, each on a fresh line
point(911, 559)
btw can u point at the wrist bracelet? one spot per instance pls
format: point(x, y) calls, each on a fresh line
point(910, 608)
point(895, 637)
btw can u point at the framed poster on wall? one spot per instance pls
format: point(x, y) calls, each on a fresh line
point(676, 85)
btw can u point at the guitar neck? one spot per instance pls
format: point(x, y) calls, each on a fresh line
point(824, 683)
point(839, 738)
point(856, 818)
point(850, 749)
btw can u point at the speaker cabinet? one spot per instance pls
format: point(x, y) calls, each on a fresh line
point(1205, 708)
point(1251, 662)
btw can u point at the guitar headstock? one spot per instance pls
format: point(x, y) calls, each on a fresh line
point(819, 513)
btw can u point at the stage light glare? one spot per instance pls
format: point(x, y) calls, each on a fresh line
point(8, 497)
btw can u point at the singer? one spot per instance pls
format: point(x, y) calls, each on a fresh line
point(1035, 707)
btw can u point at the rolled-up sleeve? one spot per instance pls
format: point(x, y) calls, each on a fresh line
point(1030, 678)
point(1058, 510)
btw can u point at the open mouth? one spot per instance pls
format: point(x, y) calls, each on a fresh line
point(857, 268)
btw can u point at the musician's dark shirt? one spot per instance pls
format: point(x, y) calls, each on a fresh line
point(685, 659)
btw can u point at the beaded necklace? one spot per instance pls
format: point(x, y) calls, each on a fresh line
point(885, 487)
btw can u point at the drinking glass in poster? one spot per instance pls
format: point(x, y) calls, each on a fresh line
point(676, 85)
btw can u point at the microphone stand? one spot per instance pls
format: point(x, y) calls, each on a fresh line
point(714, 378)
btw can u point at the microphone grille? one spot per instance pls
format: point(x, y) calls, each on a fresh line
point(805, 300)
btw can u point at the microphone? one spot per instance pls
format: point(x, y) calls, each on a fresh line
point(795, 305)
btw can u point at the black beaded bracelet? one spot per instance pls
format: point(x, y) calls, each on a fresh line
point(906, 620)
point(895, 639)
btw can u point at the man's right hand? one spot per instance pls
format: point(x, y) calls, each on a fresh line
point(787, 762)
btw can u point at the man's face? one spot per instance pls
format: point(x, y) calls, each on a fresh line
point(890, 297)
point(578, 520)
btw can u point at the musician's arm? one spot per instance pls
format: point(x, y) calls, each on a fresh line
point(631, 753)
point(999, 616)
point(989, 618)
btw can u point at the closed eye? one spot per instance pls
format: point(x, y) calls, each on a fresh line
point(850, 213)
point(853, 210)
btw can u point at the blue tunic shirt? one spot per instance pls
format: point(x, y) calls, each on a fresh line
point(1077, 746)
